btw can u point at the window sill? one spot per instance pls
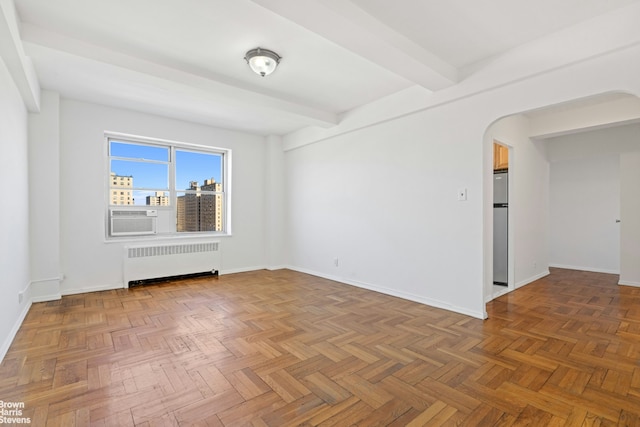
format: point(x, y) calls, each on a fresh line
point(148, 238)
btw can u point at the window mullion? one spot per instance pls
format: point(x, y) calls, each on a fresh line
point(173, 198)
point(172, 175)
point(139, 160)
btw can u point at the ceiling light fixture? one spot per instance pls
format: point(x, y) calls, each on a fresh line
point(262, 61)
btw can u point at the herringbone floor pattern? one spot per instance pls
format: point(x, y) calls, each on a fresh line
point(284, 349)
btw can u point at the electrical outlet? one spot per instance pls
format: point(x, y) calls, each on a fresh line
point(336, 262)
point(20, 297)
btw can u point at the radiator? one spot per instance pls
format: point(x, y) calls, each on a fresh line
point(158, 261)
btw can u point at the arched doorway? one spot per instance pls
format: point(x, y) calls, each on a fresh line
point(528, 136)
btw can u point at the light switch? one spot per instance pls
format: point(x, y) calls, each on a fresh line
point(462, 194)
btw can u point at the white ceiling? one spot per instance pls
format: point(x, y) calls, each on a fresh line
point(184, 59)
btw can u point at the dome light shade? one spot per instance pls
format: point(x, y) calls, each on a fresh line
point(262, 61)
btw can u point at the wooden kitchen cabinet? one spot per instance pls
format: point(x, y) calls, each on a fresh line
point(500, 157)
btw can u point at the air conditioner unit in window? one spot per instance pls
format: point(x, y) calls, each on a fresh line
point(132, 222)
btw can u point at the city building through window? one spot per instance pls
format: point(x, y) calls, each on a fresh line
point(185, 184)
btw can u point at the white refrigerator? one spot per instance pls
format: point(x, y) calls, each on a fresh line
point(500, 228)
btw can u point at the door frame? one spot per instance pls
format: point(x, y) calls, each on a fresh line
point(496, 292)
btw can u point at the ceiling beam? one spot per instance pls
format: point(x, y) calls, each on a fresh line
point(18, 64)
point(587, 114)
point(216, 89)
point(352, 28)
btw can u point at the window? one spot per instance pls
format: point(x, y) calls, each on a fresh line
point(185, 184)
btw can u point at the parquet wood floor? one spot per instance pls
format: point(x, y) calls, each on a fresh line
point(285, 349)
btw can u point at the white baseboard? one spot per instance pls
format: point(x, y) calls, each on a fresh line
point(36, 291)
point(110, 287)
point(90, 289)
point(532, 279)
point(242, 270)
point(583, 268)
point(520, 284)
point(14, 330)
point(628, 283)
point(495, 295)
point(404, 295)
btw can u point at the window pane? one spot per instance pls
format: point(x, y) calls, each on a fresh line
point(141, 174)
point(198, 169)
point(130, 197)
point(199, 211)
point(151, 198)
point(138, 151)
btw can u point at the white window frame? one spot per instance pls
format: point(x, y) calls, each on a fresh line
point(172, 190)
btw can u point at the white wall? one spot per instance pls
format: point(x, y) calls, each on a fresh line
point(274, 201)
point(382, 197)
point(528, 200)
point(630, 216)
point(383, 201)
point(594, 144)
point(585, 202)
point(585, 197)
point(91, 263)
point(44, 198)
point(14, 214)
